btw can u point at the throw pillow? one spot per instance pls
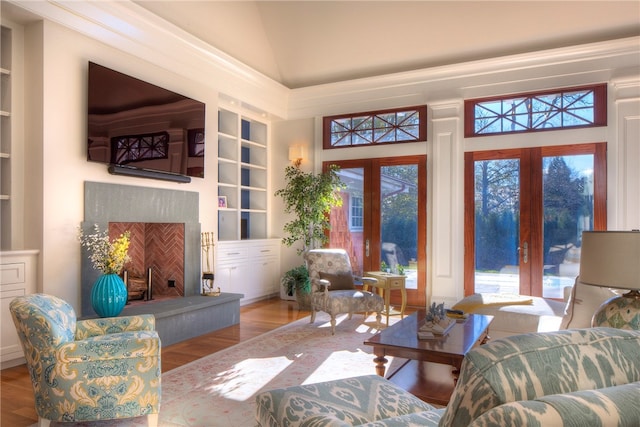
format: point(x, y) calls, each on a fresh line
point(339, 281)
point(583, 303)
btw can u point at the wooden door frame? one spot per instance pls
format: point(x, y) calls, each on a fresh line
point(371, 226)
point(531, 206)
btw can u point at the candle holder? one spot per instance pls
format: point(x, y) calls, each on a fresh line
point(208, 276)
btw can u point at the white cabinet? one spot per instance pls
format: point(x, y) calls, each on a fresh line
point(249, 267)
point(18, 271)
point(242, 176)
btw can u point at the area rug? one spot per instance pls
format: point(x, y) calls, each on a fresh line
point(220, 389)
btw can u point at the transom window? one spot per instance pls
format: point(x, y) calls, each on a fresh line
point(550, 110)
point(376, 127)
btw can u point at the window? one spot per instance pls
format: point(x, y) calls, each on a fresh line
point(135, 148)
point(377, 127)
point(355, 213)
point(551, 110)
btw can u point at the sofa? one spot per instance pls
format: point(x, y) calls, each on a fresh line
point(535, 314)
point(581, 377)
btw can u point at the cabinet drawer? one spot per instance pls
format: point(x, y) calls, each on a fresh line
point(229, 253)
point(263, 251)
point(12, 273)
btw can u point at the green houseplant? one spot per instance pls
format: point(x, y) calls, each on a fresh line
point(310, 197)
point(296, 282)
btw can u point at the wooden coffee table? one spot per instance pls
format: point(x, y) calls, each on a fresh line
point(401, 340)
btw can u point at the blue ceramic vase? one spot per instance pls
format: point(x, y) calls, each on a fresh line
point(108, 295)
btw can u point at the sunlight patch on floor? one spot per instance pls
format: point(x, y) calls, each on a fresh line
point(328, 370)
point(248, 377)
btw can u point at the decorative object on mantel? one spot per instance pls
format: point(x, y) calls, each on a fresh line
point(436, 323)
point(611, 259)
point(208, 276)
point(109, 293)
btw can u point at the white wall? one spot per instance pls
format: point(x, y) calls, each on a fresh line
point(62, 142)
point(285, 134)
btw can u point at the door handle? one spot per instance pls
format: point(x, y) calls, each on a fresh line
point(525, 252)
point(366, 248)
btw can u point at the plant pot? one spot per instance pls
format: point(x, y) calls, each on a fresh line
point(304, 300)
point(108, 295)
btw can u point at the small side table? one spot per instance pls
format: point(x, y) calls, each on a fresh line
point(386, 283)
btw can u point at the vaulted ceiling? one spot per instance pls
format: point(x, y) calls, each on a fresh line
point(304, 43)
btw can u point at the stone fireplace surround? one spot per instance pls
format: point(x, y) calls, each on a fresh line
point(178, 318)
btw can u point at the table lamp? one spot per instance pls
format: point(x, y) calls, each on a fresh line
point(611, 259)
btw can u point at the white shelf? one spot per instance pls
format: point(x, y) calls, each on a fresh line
point(7, 214)
point(242, 176)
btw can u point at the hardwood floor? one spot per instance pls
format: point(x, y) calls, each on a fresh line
point(16, 395)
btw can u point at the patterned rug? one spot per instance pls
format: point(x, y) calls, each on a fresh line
point(220, 389)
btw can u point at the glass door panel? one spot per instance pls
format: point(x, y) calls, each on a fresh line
point(497, 226)
point(568, 210)
point(399, 221)
point(347, 221)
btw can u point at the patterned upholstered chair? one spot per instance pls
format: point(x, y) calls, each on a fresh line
point(83, 370)
point(333, 288)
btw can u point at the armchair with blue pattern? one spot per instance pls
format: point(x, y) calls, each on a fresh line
point(84, 370)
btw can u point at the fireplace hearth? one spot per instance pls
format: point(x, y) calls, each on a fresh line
point(165, 236)
point(178, 318)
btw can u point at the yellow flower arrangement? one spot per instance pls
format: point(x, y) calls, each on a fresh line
point(107, 256)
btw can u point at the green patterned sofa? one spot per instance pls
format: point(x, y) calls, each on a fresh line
point(576, 377)
point(84, 370)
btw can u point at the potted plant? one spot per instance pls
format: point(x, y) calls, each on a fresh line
point(310, 197)
point(296, 282)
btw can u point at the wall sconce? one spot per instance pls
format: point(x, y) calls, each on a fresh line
point(296, 154)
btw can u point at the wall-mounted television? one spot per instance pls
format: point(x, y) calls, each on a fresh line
point(141, 129)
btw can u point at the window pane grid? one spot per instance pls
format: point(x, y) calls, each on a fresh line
point(407, 125)
point(534, 112)
point(357, 213)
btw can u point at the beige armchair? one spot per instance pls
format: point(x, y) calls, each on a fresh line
point(333, 288)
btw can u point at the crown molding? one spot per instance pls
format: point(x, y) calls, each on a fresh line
point(572, 66)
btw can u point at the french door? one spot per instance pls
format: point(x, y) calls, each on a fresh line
point(525, 211)
point(382, 222)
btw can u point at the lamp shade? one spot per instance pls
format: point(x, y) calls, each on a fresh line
point(611, 259)
point(296, 152)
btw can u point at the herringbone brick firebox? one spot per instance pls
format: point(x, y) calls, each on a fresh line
point(155, 246)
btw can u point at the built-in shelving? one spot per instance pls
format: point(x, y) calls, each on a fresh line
point(242, 176)
point(5, 135)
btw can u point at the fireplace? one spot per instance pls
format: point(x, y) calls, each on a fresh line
point(156, 266)
point(165, 236)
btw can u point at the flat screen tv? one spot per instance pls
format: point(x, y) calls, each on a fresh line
point(138, 127)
